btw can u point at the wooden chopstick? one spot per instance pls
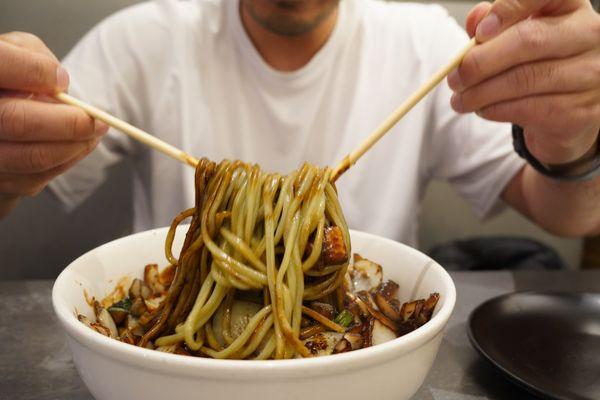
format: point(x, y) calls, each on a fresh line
point(404, 108)
point(130, 130)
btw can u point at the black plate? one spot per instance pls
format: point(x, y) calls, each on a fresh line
point(547, 342)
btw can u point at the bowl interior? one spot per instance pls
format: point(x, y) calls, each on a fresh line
point(99, 270)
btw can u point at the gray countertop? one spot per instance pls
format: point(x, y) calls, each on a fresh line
point(35, 362)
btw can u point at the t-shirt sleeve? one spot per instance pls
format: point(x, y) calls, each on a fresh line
point(475, 155)
point(111, 68)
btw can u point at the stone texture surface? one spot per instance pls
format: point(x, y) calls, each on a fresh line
point(35, 362)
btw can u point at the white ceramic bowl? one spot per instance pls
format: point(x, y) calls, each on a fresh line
point(114, 370)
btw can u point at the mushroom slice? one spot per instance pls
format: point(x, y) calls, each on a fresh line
point(323, 344)
point(350, 342)
point(128, 337)
point(367, 331)
point(93, 325)
point(139, 289)
point(138, 307)
point(101, 329)
point(381, 333)
point(410, 309)
point(355, 306)
point(311, 331)
point(325, 309)
point(364, 274)
point(408, 326)
point(343, 346)
point(152, 278)
point(132, 324)
point(85, 320)
point(354, 339)
point(154, 302)
point(428, 307)
point(369, 303)
point(386, 301)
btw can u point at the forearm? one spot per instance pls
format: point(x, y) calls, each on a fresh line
point(561, 207)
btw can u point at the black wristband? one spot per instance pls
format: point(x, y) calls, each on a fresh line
point(560, 174)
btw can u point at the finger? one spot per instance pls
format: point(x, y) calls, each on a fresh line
point(534, 39)
point(32, 185)
point(7, 204)
point(32, 121)
point(29, 96)
point(505, 13)
point(553, 113)
point(545, 77)
point(475, 16)
point(28, 71)
point(28, 158)
point(28, 41)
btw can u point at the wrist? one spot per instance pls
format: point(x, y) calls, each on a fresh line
point(581, 164)
point(584, 168)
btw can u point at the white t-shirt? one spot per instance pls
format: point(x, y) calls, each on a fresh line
point(187, 72)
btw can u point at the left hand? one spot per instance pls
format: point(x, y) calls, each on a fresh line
point(537, 65)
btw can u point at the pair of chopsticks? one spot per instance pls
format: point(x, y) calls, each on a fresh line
point(342, 167)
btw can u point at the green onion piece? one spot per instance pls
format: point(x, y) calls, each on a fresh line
point(344, 318)
point(123, 305)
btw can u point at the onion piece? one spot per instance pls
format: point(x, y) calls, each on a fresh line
point(364, 274)
point(381, 333)
point(106, 320)
point(323, 344)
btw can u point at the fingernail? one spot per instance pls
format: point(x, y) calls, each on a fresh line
point(62, 79)
point(100, 128)
point(488, 27)
point(456, 102)
point(454, 80)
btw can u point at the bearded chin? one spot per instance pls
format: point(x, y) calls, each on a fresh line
point(282, 20)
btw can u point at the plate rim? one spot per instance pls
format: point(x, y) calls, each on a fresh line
point(531, 388)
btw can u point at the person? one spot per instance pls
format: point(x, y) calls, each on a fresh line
point(278, 82)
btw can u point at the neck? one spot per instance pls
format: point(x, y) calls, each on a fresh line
point(287, 53)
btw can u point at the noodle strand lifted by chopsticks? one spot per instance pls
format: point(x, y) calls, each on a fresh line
point(257, 232)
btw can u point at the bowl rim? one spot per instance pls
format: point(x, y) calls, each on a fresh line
point(249, 369)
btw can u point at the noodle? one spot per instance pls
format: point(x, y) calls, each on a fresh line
point(251, 232)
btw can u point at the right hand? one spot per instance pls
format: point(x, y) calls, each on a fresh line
point(39, 138)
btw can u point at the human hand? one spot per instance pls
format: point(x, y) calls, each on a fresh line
point(39, 139)
point(538, 66)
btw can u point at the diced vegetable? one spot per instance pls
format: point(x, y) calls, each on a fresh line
point(344, 318)
point(120, 309)
point(334, 249)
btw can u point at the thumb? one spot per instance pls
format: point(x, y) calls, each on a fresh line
point(505, 13)
point(27, 71)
